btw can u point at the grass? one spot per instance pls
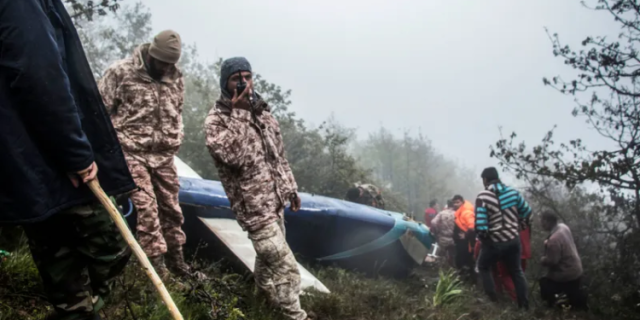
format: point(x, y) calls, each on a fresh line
point(21, 295)
point(427, 294)
point(449, 288)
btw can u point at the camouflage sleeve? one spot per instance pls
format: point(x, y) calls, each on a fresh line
point(283, 154)
point(180, 106)
point(223, 144)
point(181, 96)
point(108, 86)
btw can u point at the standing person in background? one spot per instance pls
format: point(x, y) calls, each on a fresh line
point(442, 228)
point(564, 265)
point(54, 134)
point(366, 194)
point(430, 213)
point(244, 141)
point(371, 195)
point(144, 95)
point(464, 235)
point(500, 213)
point(501, 276)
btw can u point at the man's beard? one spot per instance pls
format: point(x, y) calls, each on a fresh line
point(155, 73)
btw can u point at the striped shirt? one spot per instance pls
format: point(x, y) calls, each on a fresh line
point(500, 211)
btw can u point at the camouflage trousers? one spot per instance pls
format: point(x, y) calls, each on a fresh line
point(160, 217)
point(276, 270)
point(78, 253)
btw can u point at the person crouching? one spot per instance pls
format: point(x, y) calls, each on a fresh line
point(563, 262)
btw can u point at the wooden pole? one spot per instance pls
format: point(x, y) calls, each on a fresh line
point(95, 187)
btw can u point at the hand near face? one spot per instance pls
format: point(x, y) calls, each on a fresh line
point(239, 101)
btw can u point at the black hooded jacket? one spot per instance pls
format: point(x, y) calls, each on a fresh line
point(52, 119)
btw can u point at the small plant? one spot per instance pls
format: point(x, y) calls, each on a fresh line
point(448, 289)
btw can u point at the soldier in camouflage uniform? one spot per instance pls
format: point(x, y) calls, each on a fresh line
point(244, 140)
point(53, 131)
point(366, 194)
point(144, 95)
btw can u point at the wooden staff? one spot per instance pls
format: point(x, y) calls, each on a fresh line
point(95, 187)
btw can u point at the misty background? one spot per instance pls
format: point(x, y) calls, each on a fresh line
point(453, 70)
point(408, 95)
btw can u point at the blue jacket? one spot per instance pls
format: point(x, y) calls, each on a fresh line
point(52, 120)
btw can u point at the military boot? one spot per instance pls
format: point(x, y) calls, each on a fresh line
point(158, 264)
point(176, 264)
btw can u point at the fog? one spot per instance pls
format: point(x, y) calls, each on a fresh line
point(454, 70)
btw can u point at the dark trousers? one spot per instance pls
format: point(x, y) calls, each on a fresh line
point(509, 254)
point(549, 289)
point(464, 258)
point(78, 252)
point(464, 242)
point(449, 253)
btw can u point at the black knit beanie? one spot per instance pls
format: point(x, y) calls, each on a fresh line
point(228, 68)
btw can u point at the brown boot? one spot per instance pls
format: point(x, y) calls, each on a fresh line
point(158, 264)
point(176, 264)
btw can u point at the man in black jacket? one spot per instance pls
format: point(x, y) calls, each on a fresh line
point(54, 129)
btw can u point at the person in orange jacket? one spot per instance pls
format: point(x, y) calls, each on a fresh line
point(464, 234)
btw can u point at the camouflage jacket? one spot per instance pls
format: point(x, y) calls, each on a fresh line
point(147, 114)
point(371, 196)
point(442, 227)
point(249, 154)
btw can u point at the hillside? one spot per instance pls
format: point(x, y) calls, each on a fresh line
point(228, 295)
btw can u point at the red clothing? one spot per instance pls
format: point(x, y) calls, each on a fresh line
point(525, 242)
point(429, 214)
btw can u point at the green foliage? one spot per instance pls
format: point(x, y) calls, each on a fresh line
point(202, 86)
point(597, 235)
point(107, 41)
point(20, 294)
point(449, 288)
point(318, 157)
point(596, 192)
point(134, 297)
point(357, 297)
point(228, 296)
point(88, 9)
point(413, 171)
point(321, 158)
point(607, 98)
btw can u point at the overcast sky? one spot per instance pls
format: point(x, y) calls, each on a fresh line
point(455, 70)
